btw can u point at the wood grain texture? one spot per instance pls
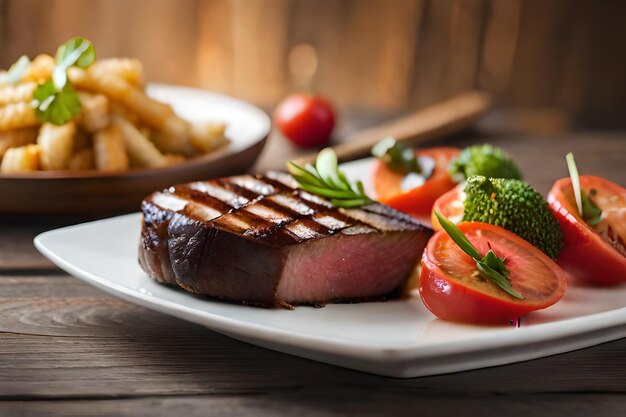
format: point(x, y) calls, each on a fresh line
point(319, 23)
point(214, 50)
point(16, 244)
point(538, 63)
point(64, 339)
point(330, 402)
point(466, 43)
point(385, 55)
point(260, 73)
point(376, 44)
point(3, 29)
point(589, 86)
point(162, 34)
point(430, 54)
point(501, 30)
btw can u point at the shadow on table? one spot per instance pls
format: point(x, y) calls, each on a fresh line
point(213, 363)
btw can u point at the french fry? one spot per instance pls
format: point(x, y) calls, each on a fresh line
point(17, 93)
point(39, 69)
point(119, 126)
point(82, 140)
point(16, 116)
point(79, 78)
point(21, 159)
point(110, 149)
point(153, 113)
point(102, 82)
point(129, 69)
point(17, 137)
point(174, 159)
point(161, 116)
point(57, 144)
point(178, 143)
point(82, 160)
point(208, 137)
point(146, 131)
point(94, 112)
point(119, 110)
point(177, 130)
point(141, 151)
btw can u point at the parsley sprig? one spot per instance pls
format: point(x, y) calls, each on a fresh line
point(489, 266)
point(325, 179)
point(55, 100)
point(590, 213)
point(396, 156)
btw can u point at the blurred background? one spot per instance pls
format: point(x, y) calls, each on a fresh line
point(387, 56)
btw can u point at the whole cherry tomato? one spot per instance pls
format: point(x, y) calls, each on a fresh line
point(306, 120)
point(416, 202)
point(452, 288)
point(594, 254)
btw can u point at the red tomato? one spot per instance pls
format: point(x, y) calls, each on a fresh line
point(451, 205)
point(452, 290)
point(305, 120)
point(417, 202)
point(594, 254)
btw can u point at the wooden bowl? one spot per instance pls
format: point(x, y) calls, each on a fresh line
point(93, 192)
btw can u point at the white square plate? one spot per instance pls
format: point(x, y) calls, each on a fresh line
point(395, 338)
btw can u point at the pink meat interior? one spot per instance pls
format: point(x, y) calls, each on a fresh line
point(342, 267)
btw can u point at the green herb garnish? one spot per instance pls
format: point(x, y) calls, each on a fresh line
point(17, 70)
point(76, 52)
point(590, 213)
point(397, 156)
point(55, 101)
point(325, 179)
point(58, 107)
point(489, 266)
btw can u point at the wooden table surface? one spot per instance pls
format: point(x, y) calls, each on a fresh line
point(69, 349)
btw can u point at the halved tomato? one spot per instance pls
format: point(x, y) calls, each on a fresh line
point(416, 202)
point(593, 254)
point(452, 288)
point(450, 205)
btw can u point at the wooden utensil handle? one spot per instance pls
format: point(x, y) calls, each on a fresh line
point(437, 120)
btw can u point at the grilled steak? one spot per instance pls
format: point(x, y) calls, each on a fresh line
point(261, 240)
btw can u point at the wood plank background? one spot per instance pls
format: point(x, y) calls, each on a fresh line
point(385, 55)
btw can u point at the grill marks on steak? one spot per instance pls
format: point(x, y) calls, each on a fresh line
point(262, 240)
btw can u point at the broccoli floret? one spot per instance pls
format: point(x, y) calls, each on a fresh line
point(486, 160)
point(515, 206)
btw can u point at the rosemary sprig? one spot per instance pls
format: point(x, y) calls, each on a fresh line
point(325, 179)
point(489, 266)
point(590, 213)
point(396, 156)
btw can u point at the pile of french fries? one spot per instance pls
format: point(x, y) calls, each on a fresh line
point(118, 128)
